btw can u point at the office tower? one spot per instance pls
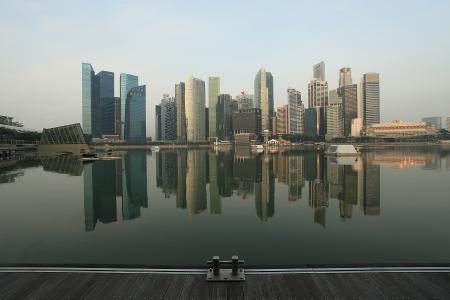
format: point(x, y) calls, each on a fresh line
point(350, 106)
point(135, 115)
point(181, 113)
point(319, 71)
point(282, 119)
point(168, 118)
point(158, 127)
point(274, 124)
point(105, 85)
point(335, 116)
point(206, 123)
point(87, 96)
point(247, 121)
point(345, 77)
point(97, 97)
point(433, 121)
point(447, 123)
point(223, 117)
point(195, 109)
point(263, 97)
point(245, 101)
point(127, 82)
point(117, 116)
point(315, 122)
point(370, 94)
point(296, 112)
point(213, 93)
point(317, 93)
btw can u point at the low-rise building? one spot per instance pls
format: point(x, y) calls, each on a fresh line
point(401, 128)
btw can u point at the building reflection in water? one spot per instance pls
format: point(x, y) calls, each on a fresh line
point(105, 181)
point(348, 181)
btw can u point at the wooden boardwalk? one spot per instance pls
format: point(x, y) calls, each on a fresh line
point(278, 286)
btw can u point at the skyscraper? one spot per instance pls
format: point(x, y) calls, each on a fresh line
point(213, 93)
point(319, 71)
point(335, 116)
point(317, 93)
point(117, 115)
point(97, 97)
point(181, 113)
point(195, 109)
point(245, 100)
point(282, 119)
point(345, 77)
point(135, 115)
point(350, 106)
point(370, 93)
point(223, 117)
point(263, 97)
point(296, 112)
point(87, 96)
point(435, 121)
point(168, 118)
point(127, 82)
point(105, 84)
point(315, 122)
point(158, 135)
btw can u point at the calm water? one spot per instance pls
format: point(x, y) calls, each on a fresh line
point(182, 207)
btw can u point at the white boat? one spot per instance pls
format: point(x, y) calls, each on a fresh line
point(342, 150)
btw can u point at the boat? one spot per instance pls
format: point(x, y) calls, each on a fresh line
point(342, 150)
point(155, 148)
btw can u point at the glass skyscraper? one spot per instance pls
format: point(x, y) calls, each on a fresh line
point(127, 82)
point(213, 93)
point(135, 115)
point(97, 97)
point(264, 97)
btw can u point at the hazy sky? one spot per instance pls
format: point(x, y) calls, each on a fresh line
point(42, 45)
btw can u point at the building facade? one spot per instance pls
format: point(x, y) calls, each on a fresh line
point(181, 113)
point(263, 97)
point(296, 112)
point(315, 122)
point(127, 82)
point(223, 117)
point(370, 94)
point(213, 94)
point(345, 77)
point(335, 116)
point(317, 93)
point(245, 101)
point(447, 123)
point(435, 121)
point(135, 115)
point(195, 109)
point(399, 128)
point(117, 116)
point(97, 100)
point(319, 71)
point(158, 133)
point(168, 118)
point(247, 121)
point(283, 119)
point(350, 105)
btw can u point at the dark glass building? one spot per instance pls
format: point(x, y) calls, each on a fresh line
point(315, 121)
point(223, 117)
point(135, 118)
point(246, 121)
point(350, 106)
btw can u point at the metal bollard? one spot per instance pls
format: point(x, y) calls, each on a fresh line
point(216, 265)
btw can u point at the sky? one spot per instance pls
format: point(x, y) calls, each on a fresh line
point(43, 43)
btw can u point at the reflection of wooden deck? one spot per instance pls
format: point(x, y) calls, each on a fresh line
point(170, 286)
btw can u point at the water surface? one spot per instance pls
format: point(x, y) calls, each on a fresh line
point(179, 208)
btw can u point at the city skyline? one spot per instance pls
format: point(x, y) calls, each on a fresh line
point(402, 46)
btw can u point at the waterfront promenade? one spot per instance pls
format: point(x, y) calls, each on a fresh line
point(312, 285)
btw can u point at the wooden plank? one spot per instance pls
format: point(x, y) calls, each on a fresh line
point(279, 286)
